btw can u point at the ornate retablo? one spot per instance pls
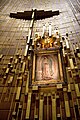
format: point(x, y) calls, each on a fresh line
point(47, 41)
point(46, 56)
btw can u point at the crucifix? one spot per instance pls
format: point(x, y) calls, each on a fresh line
point(33, 15)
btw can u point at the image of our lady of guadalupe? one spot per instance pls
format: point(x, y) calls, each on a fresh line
point(47, 71)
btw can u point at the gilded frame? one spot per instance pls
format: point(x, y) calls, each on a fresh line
point(55, 52)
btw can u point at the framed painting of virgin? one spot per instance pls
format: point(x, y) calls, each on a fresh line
point(47, 67)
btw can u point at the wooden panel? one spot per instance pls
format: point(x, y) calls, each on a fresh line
point(26, 51)
point(18, 93)
point(27, 84)
point(78, 55)
point(54, 109)
point(35, 112)
point(71, 63)
point(33, 73)
point(77, 90)
point(7, 71)
point(34, 88)
point(1, 56)
point(10, 80)
point(23, 67)
point(41, 110)
point(28, 107)
point(67, 109)
point(67, 43)
point(16, 60)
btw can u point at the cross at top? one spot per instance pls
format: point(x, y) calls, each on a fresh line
point(34, 13)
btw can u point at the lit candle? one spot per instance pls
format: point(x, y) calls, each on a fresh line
point(43, 29)
point(50, 30)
